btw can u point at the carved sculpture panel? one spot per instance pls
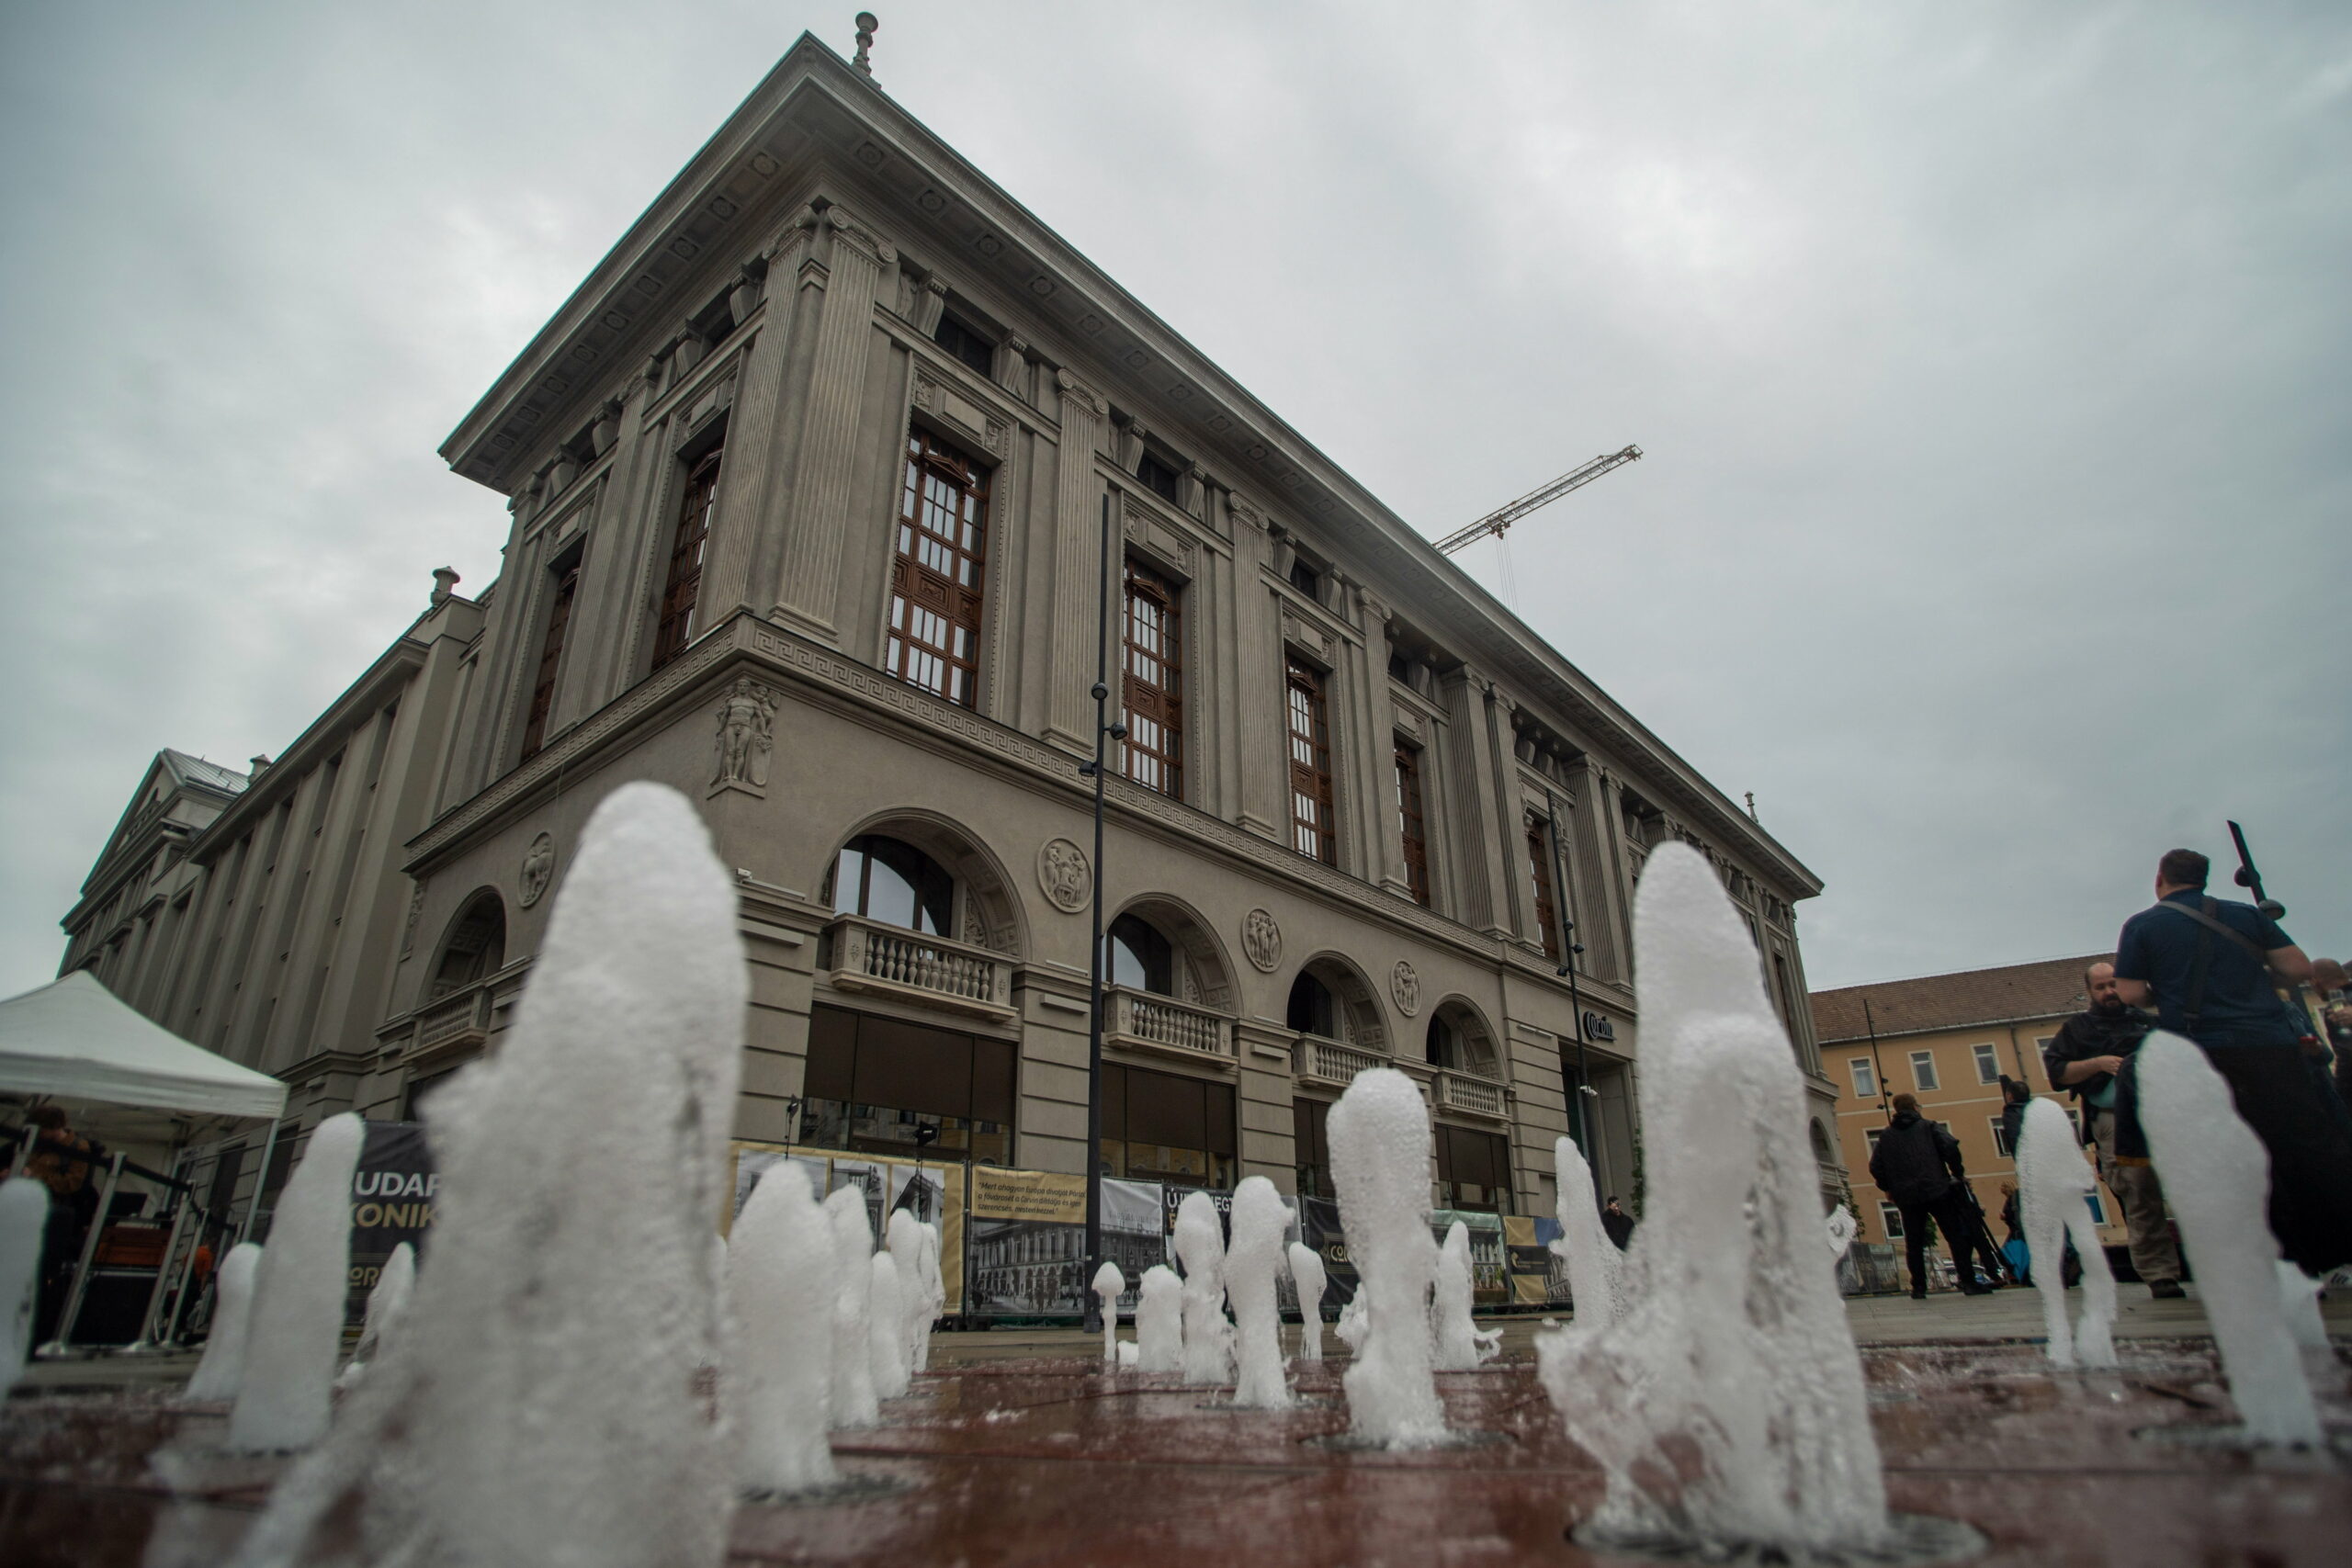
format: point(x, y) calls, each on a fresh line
point(538, 870)
point(1404, 989)
point(1261, 940)
point(1064, 874)
point(746, 736)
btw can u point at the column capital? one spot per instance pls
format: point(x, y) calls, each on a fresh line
point(1074, 390)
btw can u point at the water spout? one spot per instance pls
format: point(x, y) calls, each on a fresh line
point(295, 1326)
point(1208, 1333)
point(222, 1371)
point(781, 1291)
point(1379, 1134)
point(1307, 1273)
point(2054, 1189)
point(1160, 1321)
point(1260, 1220)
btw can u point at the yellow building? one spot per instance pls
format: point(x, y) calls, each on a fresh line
point(1948, 1039)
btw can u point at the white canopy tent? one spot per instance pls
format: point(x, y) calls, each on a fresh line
point(74, 1039)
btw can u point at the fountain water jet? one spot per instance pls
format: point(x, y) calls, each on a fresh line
point(2054, 1189)
point(1306, 1274)
point(903, 1236)
point(1596, 1269)
point(295, 1328)
point(24, 1215)
point(1208, 1333)
point(2216, 1178)
point(1727, 1404)
point(1160, 1321)
point(1109, 1284)
point(781, 1288)
point(222, 1371)
point(934, 1293)
point(886, 1329)
point(558, 1313)
point(856, 1401)
point(1455, 1342)
point(386, 1301)
point(1379, 1137)
point(1260, 1220)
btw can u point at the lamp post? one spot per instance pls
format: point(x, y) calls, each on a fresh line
point(1570, 948)
point(1104, 730)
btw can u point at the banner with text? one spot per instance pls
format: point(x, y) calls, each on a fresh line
point(393, 1189)
point(1026, 1244)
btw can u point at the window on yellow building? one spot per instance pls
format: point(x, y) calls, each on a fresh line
point(1922, 1071)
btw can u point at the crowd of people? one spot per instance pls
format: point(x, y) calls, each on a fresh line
point(2222, 974)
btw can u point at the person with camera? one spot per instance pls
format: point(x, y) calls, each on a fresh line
point(2086, 1059)
point(2212, 968)
point(1917, 1166)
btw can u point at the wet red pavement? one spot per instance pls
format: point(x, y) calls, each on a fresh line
point(1052, 1462)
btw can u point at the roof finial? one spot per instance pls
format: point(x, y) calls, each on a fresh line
point(866, 28)
point(1751, 809)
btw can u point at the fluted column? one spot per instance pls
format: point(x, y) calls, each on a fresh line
point(1256, 735)
point(1079, 566)
point(1483, 859)
point(824, 461)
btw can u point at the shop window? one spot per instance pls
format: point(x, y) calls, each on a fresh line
point(1164, 1127)
point(873, 1083)
point(1472, 1169)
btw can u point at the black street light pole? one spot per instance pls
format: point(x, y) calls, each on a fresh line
point(1103, 730)
point(1877, 1067)
point(1570, 948)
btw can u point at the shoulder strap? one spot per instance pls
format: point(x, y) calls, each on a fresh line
point(2206, 917)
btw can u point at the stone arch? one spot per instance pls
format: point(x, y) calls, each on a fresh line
point(472, 947)
point(1208, 973)
point(1459, 1032)
point(1825, 1148)
point(988, 907)
point(1358, 1018)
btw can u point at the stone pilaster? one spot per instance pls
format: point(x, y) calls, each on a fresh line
point(1386, 865)
point(751, 481)
point(824, 461)
point(1079, 566)
point(1257, 730)
point(1483, 856)
point(1600, 915)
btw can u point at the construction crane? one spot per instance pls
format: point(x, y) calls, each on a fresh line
point(1495, 523)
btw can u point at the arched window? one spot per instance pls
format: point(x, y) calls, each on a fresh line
point(891, 881)
point(1138, 957)
point(1445, 1044)
point(475, 947)
point(1313, 1009)
point(1457, 1041)
point(1822, 1149)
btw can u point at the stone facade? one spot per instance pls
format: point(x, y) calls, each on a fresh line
point(824, 285)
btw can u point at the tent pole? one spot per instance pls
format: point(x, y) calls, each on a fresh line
point(64, 1341)
point(269, 1147)
point(146, 1341)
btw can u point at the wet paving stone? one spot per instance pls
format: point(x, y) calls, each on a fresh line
point(1029, 1464)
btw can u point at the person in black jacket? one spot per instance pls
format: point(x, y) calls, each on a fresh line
point(1917, 1166)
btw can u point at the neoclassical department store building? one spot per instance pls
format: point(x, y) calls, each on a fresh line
point(808, 481)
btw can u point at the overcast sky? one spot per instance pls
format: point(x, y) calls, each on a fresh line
point(1992, 363)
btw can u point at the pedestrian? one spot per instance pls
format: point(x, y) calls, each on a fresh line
point(61, 1161)
point(1618, 1224)
point(2013, 1246)
point(2210, 967)
point(1917, 1166)
point(2332, 995)
point(2086, 1059)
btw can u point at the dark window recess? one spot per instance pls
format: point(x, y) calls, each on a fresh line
point(1162, 1127)
point(965, 344)
point(475, 947)
point(1152, 685)
point(1472, 1169)
point(683, 586)
point(1306, 1119)
point(1311, 828)
point(874, 1082)
point(1307, 580)
point(1138, 957)
point(1157, 477)
point(1312, 1008)
point(937, 579)
point(891, 881)
point(1539, 868)
point(534, 728)
point(1411, 825)
point(1399, 667)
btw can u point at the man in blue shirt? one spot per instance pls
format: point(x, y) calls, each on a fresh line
point(2208, 967)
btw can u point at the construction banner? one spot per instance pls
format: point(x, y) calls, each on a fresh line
point(1046, 1197)
point(1027, 1236)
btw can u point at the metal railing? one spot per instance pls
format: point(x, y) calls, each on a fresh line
point(868, 955)
point(1146, 1019)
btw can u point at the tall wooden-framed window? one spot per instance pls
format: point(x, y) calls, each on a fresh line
point(534, 728)
point(938, 578)
point(687, 545)
point(1152, 686)
point(1311, 828)
point(1411, 827)
point(1539, 867)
